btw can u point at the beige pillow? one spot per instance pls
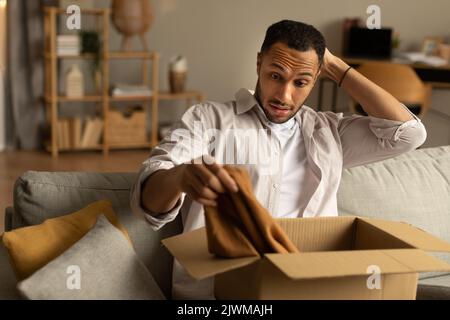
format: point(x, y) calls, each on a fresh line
point(101, 265)
point(31, 248)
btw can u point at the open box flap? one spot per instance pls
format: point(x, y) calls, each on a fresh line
point(191, 251)
point(313, 265)
point(415, 237)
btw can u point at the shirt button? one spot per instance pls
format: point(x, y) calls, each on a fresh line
point(275, 185)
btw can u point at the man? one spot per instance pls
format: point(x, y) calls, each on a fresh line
point(307, 149)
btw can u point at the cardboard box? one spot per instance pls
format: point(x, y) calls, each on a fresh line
point(341, 258)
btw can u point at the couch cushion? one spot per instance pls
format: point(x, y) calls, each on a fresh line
point(32, 247)
point(429, 292)
point(443, 281)
point(8, 280)
point(102, 265)
point(435, 288)
point(413, 188)
point(42, 195)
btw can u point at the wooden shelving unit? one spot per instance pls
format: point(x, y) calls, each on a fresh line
point(53, 99)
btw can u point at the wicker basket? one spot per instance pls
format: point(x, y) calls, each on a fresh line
point(130, 128)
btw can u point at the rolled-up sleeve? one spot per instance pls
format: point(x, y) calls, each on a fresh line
point(177, 147)
point(369, 139)
point(156, 221)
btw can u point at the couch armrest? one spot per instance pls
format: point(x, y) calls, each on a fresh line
point(432, 292)
point(9, 211)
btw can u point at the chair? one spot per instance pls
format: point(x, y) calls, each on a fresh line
point(399, 80)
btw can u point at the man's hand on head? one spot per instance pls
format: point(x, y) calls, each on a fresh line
point(375, 101)
point(333, 67)
point(328, 60)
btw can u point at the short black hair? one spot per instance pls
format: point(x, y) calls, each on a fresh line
point(296, 35)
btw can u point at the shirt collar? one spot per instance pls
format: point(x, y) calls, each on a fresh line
point(245, 100)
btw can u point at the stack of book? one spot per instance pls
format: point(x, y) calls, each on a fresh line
point(68, 45)
point(73, 133)
point(129, 90)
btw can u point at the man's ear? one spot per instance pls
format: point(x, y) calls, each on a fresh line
point(317, 75)
point(258, 62)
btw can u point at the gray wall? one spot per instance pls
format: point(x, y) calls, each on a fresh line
point(220, 39)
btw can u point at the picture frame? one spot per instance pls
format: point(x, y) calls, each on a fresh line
point(430, 45)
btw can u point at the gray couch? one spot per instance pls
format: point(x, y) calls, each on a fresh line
point(414, 187)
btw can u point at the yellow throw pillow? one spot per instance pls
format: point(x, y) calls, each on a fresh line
point(31, 248)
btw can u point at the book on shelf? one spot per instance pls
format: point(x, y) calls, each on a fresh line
point(66, 130)
point(92, 132)
point(127, 90)
point(67, 51)
point(61, 134)
point(72, 134)
point(67, 45)
point(75, 132)
point(69, 133)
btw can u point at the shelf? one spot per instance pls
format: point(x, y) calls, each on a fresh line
point(131, 55)
point(87, 98)
point(87, 56)
point(195, 95)
point(83, 11)
point(146, 145)
point(110, 55)
point(131, 98)
point(130, 145)
point(181, 96)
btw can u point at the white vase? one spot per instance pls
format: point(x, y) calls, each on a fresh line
point(74, 82)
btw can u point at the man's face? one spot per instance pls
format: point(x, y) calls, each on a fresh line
point(285, 79)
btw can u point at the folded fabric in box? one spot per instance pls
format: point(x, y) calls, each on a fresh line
point(240, 226)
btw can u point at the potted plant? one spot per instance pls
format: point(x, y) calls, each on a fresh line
point(90, 43)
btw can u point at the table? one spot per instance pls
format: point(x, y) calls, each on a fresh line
point(437, 77)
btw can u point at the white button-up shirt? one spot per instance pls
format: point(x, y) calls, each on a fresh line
point(237, 132)
point(294, 179)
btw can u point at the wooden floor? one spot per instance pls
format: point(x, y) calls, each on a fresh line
point(13, 164)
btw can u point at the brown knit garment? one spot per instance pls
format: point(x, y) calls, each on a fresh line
point(240, 226)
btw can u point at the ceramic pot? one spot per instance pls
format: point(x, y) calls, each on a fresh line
point(132, 18)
